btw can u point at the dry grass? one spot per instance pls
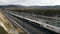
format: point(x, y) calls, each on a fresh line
point(2, 31)
point(8, 26)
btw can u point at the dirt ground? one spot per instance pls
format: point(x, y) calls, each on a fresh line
point(8, 27)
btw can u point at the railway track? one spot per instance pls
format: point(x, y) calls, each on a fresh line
point(28, 26)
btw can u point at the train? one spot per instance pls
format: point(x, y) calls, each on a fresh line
point(51, 23)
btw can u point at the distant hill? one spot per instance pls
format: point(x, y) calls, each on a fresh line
point(13, 6)
point(55, 7)
point(21, 6)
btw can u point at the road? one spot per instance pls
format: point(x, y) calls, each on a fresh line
point(29, 27)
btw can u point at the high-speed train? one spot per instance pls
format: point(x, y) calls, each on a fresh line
point(51, 23)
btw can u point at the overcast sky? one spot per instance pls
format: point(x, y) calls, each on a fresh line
point(30, 2)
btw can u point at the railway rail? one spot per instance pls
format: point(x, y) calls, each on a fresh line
point(29, 26)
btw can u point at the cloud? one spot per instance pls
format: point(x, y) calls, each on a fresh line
point(30, 2)
point(2, 2)
point(42, 2)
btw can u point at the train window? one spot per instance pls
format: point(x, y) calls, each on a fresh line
point(58, 20)
point(58, 23)
point(58, 15)
point(47, 22)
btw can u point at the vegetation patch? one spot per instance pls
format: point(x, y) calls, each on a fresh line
point(2, 31)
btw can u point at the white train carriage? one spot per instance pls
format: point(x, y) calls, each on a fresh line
point(50, 23)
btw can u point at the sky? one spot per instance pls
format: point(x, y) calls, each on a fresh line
point(30, 2)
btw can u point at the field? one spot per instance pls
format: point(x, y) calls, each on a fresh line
point(46, 12)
